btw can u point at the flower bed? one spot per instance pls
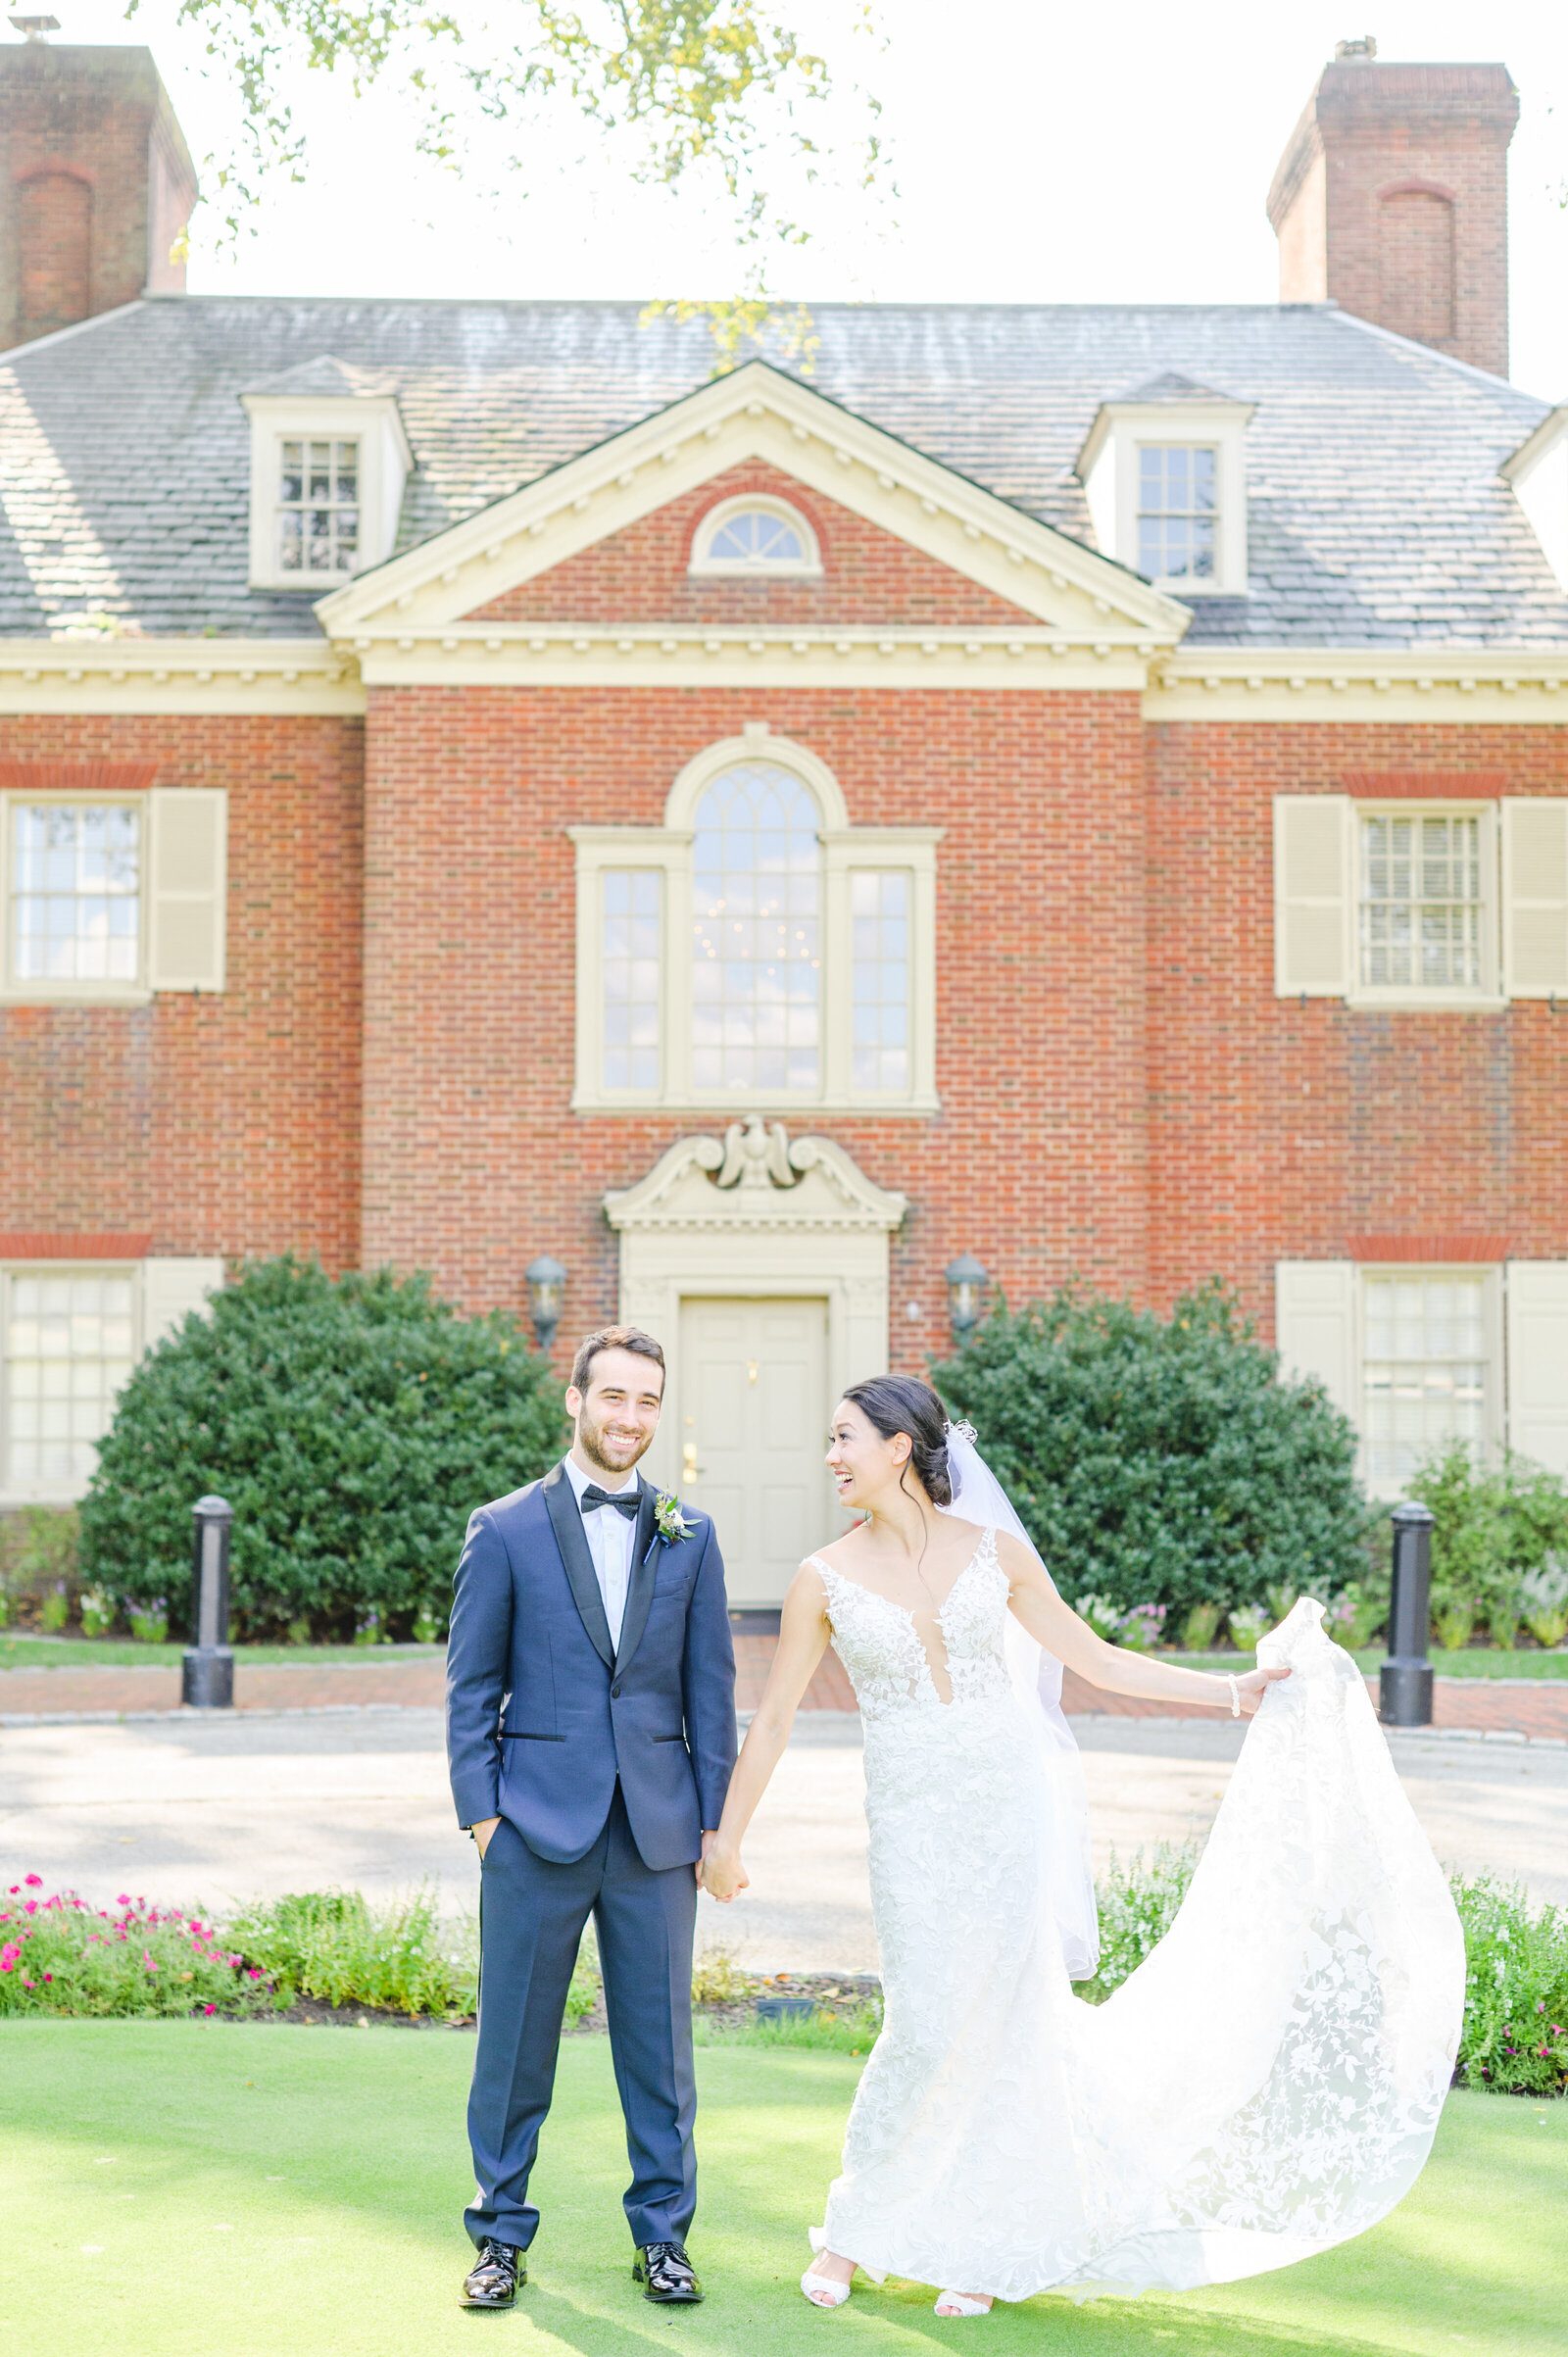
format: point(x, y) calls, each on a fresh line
point(59, 1955)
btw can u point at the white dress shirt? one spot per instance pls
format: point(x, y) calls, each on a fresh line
point(611, 1539)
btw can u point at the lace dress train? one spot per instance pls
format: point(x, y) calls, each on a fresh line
point(1268, 2082)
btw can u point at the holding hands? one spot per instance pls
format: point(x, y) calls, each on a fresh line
point(719, 1871)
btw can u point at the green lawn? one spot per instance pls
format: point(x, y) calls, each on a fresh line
point(118, 1653)
point(196, 2188)
point(1469, 1661)
point(122, 1653)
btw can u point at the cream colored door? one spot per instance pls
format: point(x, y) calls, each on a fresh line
point(753, 1434)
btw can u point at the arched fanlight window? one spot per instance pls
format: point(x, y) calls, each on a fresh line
point(755, 949)
point(754, 535)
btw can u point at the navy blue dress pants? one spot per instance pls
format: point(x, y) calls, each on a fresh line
point(531, 1918)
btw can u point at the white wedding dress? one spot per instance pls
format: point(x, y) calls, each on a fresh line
point(1264, 2086)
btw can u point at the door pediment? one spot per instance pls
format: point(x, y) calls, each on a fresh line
point(753, 1177)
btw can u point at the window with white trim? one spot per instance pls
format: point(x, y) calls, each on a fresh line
point(757, 950)
point(75, 892)
point(1425, 1370)
point(69, 1343)
point(1414, 1355)
point(1422, 902)
point(631, 945)
point(879, 903)
point(71, 1332)
point(756, 535)
point(113, 899)
point(1178, 504)
point(1442, 904)
point(1166, 481)
point(327, 477)
point(318, 505)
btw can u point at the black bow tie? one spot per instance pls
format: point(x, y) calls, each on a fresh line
point(624, 1502)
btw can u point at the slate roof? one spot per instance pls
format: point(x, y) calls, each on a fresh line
point(1376, 515)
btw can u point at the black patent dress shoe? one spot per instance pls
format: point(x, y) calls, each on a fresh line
point(666, 2274)
point(497, 2277)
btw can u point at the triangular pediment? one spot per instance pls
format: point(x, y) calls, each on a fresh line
point(756, 414)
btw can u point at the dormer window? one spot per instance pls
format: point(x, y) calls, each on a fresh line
point(319, 506)
point(1539, 473)
point(329, 464)
point(757, 536)
point(1177, 505)
point(1163, 470)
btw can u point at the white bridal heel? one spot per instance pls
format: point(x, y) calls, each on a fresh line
point(959, 2303)
point(822, 2291)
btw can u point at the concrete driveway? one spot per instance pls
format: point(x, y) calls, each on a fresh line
point(211, 1813)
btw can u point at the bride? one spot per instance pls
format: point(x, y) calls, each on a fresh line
point(1267, 2082)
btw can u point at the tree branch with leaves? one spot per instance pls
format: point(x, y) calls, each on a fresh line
point(684, 89)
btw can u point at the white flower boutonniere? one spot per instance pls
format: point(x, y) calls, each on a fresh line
point(668, 1520)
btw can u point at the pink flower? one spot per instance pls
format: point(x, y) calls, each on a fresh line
point(123, 1901)
point(35, 1881)
point(14, 1888)
point(30, 1907)
point(254, 1972)
point(29, 1984)
point(9, 1955)
point(147, 1959)
point(50, 1977)
point(209, 2009)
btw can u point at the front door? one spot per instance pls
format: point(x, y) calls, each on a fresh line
point(753, 1436)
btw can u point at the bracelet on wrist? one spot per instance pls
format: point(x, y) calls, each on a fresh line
point(1236, 1696)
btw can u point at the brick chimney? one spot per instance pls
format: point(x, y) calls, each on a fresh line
point(1392, 200)
point(95, 185)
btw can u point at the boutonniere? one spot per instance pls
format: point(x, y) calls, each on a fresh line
point(668, 1520)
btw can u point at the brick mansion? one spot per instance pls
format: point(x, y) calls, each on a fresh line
point(1077, 789)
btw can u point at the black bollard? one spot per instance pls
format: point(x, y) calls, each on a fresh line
point(1405, 1686)
point(207, 1674)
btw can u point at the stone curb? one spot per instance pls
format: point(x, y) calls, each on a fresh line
point(401, 1710)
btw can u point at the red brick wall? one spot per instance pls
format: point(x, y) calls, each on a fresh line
point(472, 1160)
point(213, 1125)
point(1279, 1130)
point(1123, 1096)
point(640, 575)
point(54, 250)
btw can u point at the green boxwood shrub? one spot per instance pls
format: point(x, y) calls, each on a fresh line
point(353, 1425)
point(1162, 1460)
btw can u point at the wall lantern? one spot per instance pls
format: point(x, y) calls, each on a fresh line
point(547, 1285)
point(967, 1295)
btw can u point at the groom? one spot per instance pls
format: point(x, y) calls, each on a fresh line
point(590, 1734)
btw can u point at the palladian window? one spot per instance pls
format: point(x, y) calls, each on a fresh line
point(756, 951)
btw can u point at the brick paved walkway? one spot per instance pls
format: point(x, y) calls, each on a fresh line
point(1537, 1707)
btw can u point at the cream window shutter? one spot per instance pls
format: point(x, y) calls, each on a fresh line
point(1535, 897)
point(171, 1288)
point(1314, 1327)
point(1537, 1361)
point(187, 887)
point(1313, 894)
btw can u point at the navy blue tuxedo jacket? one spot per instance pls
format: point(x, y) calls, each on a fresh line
point(543, 1714)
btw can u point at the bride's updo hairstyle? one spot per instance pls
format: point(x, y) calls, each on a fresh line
point(895, 1403)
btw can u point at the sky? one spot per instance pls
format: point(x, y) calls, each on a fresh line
point(1119, 154)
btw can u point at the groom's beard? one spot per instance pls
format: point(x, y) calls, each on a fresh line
point(611, 1456)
